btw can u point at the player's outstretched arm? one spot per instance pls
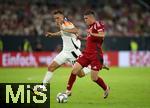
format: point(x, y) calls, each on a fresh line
point(49, 34)
point(99, 34)
point(73, 30)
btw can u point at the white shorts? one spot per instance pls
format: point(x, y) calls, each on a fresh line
point(67, 56)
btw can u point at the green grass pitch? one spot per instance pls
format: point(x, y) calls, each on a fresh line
point(130, 87)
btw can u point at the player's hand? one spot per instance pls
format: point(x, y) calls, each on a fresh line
point(79, 32)
point(48, 34)
point(89, 32)
point(105, 67)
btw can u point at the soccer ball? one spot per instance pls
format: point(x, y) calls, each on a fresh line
point(62, 98)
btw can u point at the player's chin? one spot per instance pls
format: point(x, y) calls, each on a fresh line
point(87, 23)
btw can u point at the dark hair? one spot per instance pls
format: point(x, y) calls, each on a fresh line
point(89, 12)
point(58, 12)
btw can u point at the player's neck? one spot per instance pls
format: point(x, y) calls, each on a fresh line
point(92, 22)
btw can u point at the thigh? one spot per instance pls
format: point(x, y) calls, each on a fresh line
point(53, 66)
point(96, 62)
point(94, 75)
point(73, 55)
point(61, 58)
point(77, 68)
point(83, 60)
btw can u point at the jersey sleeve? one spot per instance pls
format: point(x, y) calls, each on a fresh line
point(99, 26)
point(69, 25)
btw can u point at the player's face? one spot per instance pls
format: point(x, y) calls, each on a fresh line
point(88, 19)
point(59, 18)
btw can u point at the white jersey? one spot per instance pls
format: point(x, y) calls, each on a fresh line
point(71, 47)
point(70, 41)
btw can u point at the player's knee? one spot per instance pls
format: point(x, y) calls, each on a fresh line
point(74, 71)
point(94, 79)
point(81, 75)
point(51, 68)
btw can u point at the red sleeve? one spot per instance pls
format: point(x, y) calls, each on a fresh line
point(99, 26)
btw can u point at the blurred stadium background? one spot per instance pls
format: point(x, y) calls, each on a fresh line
point(25, 51)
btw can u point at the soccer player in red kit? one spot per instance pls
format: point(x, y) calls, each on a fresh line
point(92, 55)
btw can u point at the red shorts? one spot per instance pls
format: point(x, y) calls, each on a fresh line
point(94, 60)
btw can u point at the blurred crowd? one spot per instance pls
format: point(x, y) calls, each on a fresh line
point(33, 17)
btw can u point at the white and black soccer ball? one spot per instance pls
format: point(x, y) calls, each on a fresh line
point(62, 98)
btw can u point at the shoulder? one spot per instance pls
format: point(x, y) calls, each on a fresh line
point(99, 25)
point(68, 23)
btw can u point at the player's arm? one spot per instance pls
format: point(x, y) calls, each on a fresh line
point(99, 34)
point(50, 34)
point(99, 27)
point(73, 30)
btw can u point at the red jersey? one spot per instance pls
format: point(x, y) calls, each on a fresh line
point(93, 44)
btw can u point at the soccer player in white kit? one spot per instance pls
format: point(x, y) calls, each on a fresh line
point(71, 47)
